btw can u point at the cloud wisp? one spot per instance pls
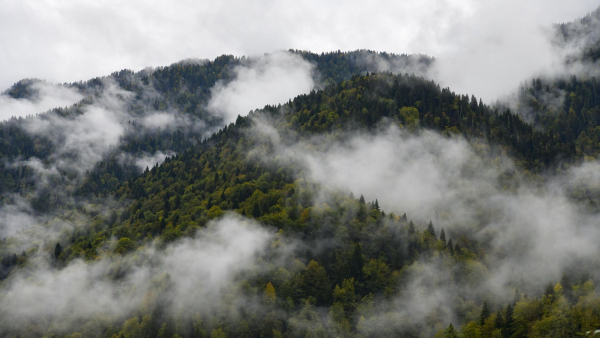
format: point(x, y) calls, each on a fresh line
point(47, 96)
point(269, 79)
point(193, 274)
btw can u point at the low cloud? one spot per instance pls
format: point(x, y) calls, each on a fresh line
point(16, 217)
point(192, 274)
point(270, 79)
point(532, 232)
point(146, 160)
point(47, 96)
point(80, 141)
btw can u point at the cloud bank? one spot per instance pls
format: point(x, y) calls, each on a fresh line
point(193, 274)
point(502, 42)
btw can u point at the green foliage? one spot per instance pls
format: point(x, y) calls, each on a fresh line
point(369, 257)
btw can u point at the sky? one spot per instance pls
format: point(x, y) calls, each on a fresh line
point(66, 41)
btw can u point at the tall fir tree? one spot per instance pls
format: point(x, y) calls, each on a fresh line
point(443, 236)
point(431, 229)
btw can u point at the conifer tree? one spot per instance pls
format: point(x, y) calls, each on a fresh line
point(411, 227)
point(499, 323)
point(357, 263)
point(57, 251)
point(565, 281)
point(485, 314)
point(431, 229)
point(450, 332)
point(508, 322)
point(549, 290)
point(443, 236)
point(256, 210)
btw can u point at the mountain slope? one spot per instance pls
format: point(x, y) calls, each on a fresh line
point(338, 265)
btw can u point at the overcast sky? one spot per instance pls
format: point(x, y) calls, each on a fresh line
point(71, 40)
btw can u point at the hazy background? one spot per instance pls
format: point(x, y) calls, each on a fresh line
point(482, 48)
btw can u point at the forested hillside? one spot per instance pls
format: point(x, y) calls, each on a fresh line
point(181, 90)
point(324, 261)
point(370, 202)
point(280, 181)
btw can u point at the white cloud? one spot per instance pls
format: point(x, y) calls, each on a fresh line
point(72, 40)
point(270, 79)
point(193, 273)
point(149, 160)
point(533, 232)
point(48, 96)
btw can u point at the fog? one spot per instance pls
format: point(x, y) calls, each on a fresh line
point(484, 49)
point(47, 96)
point(534, 229)
point(192, 274)
point(270, 79)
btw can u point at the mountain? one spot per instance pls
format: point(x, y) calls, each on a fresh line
point(375, 204)
point(182, 90)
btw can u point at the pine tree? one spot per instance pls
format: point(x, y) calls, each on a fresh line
point(166, 208)
point(499, 323)
point(361, 214)
point(443, 236)
point(567, 287)
point(57, 251)
point(377, 205)
point(485, 314)
point(451, 247)
point(361, 200)
point(508, 322)
point(357, 263)
point(256, 210)
point(450, 332)
point(177, 202)
point(411, 227)
point(549, 290)
point(431, 229)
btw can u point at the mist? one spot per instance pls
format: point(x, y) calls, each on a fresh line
point(503, 41)
point(529, 228)
point(193, 274)
point(270, 79)
point(535, 228)
point(47, 96)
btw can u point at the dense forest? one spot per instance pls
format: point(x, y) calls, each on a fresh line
point(244, 228)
